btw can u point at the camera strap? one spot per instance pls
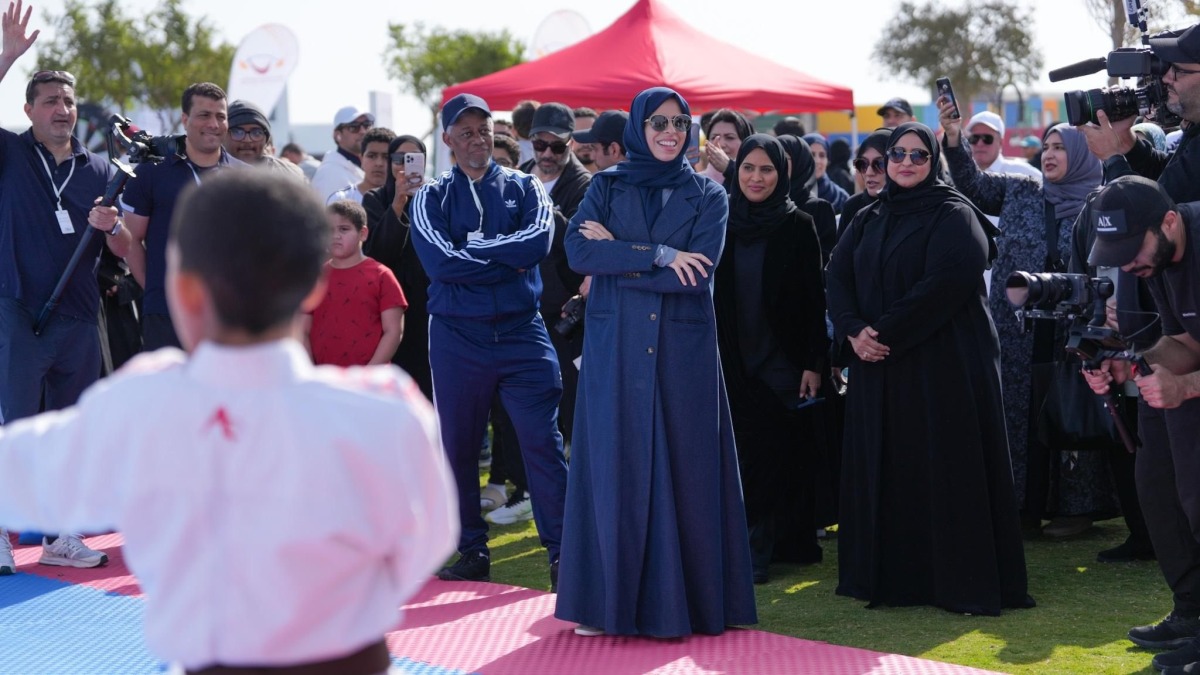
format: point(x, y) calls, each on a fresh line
point(1054, 263)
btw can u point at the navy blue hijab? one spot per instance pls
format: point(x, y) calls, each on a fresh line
point(641, 168)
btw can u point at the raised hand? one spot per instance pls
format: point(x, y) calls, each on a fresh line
point(16, 42)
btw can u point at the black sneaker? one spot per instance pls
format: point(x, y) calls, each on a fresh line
point(1189, 653)
point(554, 577)
point(1126, 552)
point(471, 566)
point(1173, 632)
point(1189, 669)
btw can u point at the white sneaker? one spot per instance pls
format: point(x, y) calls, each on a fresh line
point(69, 551)
point(588, 631)
point(7, 564)
point(492, 496)
point(517, 508)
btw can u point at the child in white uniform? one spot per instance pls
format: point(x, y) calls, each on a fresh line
point(277, 514)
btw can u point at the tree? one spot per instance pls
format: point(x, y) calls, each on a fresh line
point(124, 61)
point(426, 60)
point(982, 47)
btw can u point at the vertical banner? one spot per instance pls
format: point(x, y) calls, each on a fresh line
point(262, 64)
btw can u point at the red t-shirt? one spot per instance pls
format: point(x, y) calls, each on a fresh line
point(347, 325)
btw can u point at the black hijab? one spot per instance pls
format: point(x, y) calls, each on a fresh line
point(878, 140)
point(803, 167)
point(753, 220)
point(388, 193)
point(931, 193)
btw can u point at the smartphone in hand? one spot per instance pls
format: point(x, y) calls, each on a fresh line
point(414, 168)
point(944, 89)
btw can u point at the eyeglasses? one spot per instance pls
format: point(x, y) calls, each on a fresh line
point(355, 127)
point(1181, 71)
point(987, 139)
point(240, 134)
point(918, 156)
point(680, 122)
point(557, 147)
point(44, 76)
point(861, 165)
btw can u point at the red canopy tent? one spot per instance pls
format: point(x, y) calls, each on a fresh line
point(651, 46)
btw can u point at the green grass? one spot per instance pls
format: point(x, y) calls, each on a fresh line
point(1078, 627)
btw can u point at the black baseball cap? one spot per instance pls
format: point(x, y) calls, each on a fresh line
point(609, 127)
point(1182, 47)
point(896, 104)
point(1122, 213)
point(455, 107)
point(554, 118)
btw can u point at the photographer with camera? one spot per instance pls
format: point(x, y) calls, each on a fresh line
point(1115, 143)
point(51, 184)
point(1139, 229)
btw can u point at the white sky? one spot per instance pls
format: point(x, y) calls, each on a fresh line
point(341, 43)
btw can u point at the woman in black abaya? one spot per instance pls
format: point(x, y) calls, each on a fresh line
point(928, 512)
point(770, 306)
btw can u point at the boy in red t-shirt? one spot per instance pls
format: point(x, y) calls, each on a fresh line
point(361, 320)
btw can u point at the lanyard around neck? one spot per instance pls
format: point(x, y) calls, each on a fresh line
point(58, 189)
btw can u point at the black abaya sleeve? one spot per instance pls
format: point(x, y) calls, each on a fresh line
point(955, 257)
point(840, 285)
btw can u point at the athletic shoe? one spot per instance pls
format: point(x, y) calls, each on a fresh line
point(1189, 669)
point(69, 551)
point(7, 564)
point(472, 566)
point(517, 508)
point(1189, 653)
point(1173, 632)
point(588, 631)
point(492, 496)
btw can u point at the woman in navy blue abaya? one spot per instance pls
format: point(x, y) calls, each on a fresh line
point(654, 538)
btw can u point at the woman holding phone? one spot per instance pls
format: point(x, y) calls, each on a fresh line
point(388, 242)
point(928, 514)
point(654, 534)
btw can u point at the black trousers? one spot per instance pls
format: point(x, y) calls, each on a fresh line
point(1168, 484)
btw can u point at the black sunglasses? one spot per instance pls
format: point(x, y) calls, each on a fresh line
point(861, 164)
point(44, 76)
point(680, 122)
point(987, 139)
point(355, 127)
point(240, 134)
point(557, 147)
point(918, 156)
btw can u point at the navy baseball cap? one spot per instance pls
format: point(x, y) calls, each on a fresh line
point(1178, 48)
point(1122, 213)
point(455, 107)
point(896, 104)
point(609, 127)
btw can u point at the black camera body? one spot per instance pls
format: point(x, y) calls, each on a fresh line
point(573, 319)
point(1148, 98)
point(140, 145)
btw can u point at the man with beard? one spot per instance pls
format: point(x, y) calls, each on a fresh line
point(374, 165)
point(1165, 456)
point(249, 136)
point(584, 152)
point(1141, 231)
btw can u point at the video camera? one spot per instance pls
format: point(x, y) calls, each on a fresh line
point(141, 146)
point(1149, 98)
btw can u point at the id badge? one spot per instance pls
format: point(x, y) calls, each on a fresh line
point(475, 236)
point(64, 221)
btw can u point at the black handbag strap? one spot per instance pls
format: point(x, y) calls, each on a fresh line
point(1054, 262)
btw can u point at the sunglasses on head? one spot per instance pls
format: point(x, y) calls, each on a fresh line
point(557, 147)
point(987, 139)
point(240, 134)
point(44, 76)
point(680, 122)
point(918, 156)
point(861, 164)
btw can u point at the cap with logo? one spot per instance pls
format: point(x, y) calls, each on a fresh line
point(988, 119)
point(609, 127)
point(455, 107)
point(1122, 213)
point(554, 118)
point(349, 114)
point(895, 104)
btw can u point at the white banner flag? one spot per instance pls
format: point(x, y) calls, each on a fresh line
point(261, 67)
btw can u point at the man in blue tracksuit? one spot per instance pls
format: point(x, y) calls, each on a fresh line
point(480, 231)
